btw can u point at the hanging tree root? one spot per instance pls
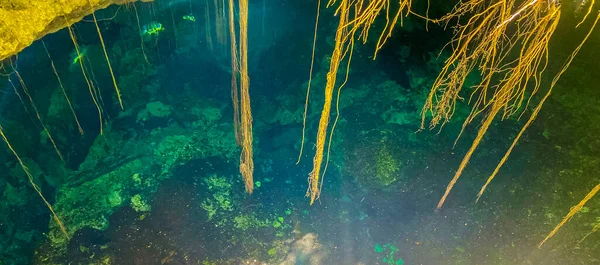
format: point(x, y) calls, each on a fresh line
point(242, 110)
point(112, 75)
point(63, 89)
point(575, 209)
point(37, 113)
point(506, 45)
point(246, 161)
point(234, 76)
point(35, 187)
point(355, 21)
point(313, 179)
point(87, 80)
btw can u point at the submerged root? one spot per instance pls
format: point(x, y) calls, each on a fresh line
point(355, 21)
point(87, 80)
point(242, 110)
point(35, 187)
point(112, 75)
point(63, 89)
point(502, 44)
point(575, 209)
point(37, 113)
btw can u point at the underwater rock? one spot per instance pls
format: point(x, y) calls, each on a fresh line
point(23, 22)
point(23, 143)
point(86, 243)
point(155, 109)
point(155, 115)
point(139, 204)
point(16, 197)
point(59, 115)
point(139, 81)
point(285, 111)
point(98, 197)
point(34, 169)
point(376, 161)
point(305, 250)
point(105, 150)
point(115, 174)
point(220, 201)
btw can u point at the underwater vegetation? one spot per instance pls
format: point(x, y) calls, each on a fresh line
point(154, 28)
point(182, 132)
point(388, 250)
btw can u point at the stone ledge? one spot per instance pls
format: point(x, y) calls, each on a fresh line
point(24, 21)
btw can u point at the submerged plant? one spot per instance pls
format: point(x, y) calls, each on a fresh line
point(386, 167)
point(139, 204)
point(248, 221)
point(220, 199)
point(388, 250)
point(278, 222)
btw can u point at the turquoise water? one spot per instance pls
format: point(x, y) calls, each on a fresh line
point(161, 184)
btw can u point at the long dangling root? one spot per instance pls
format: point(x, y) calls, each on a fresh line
point(35, 187)
point(594, 230)
point(220, 23)
point(242, 111)
point(87, 80)
point(595, 190)
point(63, 89)
point(37, 114)
point(137, 17)
point(314, 188)
point(571, 213)
point(246, 162)
point(235, 71)
point(108, 61)
point(364, 15)
point(486, 43)
point(312, 63)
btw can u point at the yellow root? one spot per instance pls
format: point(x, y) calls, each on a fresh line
point(571, 213)
point(234, 73)
point(595, 190)
point(242, 110)
point(174, 27)
point(594, 230)
point(137, 17)
point(312, 63)
point(314, 187)
point(95, 85)
point(21, 99)
point(589, 10)
point(538, 106)
point(246, 162)
point(364, 16)
point(475, 46)
point(37, 114)
point(35, 187)
point(108, 61)
point(349, 50)
point(63, 89)
point(485, 43)
point(87, 80)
